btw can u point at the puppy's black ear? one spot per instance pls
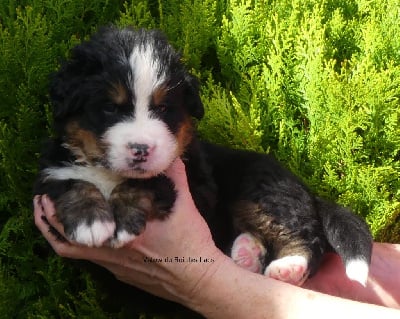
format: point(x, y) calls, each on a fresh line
point(69, 85)
point(192, 97)
point(63, 93)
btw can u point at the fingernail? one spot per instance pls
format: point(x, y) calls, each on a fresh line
point(37, 200)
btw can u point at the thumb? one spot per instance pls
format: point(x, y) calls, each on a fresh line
point(177, 173)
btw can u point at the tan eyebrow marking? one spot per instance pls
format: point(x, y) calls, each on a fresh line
point(159, 95)
point(119, 93)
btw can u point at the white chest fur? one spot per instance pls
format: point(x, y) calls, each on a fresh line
point(102, 178)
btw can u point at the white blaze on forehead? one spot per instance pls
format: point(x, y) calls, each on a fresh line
point(147, 76)
point(142, 128)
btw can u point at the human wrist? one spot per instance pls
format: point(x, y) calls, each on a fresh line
point(196, 278)
point(210, 287)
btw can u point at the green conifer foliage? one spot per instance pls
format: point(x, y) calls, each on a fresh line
point(316, 83)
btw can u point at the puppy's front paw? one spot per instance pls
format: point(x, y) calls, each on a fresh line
point(290, 269)
point(85, 215)
point(128, 226)
point(133, 202)
point(131, 208)
point(92, 234)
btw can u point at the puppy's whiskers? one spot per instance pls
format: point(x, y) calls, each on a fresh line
point(175, 86)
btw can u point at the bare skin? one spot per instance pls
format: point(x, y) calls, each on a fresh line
point(383, 286)
point(216, 287)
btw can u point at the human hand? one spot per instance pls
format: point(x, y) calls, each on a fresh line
point(158, 260)
point(185, 234)
point(383, 281)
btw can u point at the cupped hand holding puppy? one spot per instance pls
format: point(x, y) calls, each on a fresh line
point(153, 261)
point(158, 261)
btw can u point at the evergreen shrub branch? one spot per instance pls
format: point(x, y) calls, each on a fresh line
point(316, 83)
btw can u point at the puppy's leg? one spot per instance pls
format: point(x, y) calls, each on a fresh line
point(248, 252)
point(130, 206)
point(133, 202)
point(293, 255)
point(291, 264)
point(83, 211)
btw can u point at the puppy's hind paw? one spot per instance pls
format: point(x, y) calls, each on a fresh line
point(248, 253)
point(290, 269)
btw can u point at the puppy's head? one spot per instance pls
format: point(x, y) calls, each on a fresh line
point(124, 101)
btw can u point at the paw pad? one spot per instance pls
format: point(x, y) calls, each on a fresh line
point(290, 269)
point(248, 253)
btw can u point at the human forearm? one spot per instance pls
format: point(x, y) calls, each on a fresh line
point(235, 293)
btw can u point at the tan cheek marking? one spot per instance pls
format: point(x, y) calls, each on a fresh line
point(184, 135)
point(84, 144)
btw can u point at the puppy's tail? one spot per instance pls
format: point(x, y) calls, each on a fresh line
point(349, 237)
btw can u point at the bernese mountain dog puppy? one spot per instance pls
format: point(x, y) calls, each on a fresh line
point(124, 109)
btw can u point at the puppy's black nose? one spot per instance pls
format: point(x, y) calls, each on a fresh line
point(139, 150)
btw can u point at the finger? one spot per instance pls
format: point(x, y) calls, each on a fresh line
point(45, 228)
point(177, 173)
point(50, 214)
point(38, 212)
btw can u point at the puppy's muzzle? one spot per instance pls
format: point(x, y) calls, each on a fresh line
point(139, 152)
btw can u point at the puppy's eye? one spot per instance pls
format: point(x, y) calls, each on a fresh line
point(162, 108)
point(110, 109)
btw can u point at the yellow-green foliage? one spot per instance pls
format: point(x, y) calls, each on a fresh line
point(319, 85)
point(316, 83)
